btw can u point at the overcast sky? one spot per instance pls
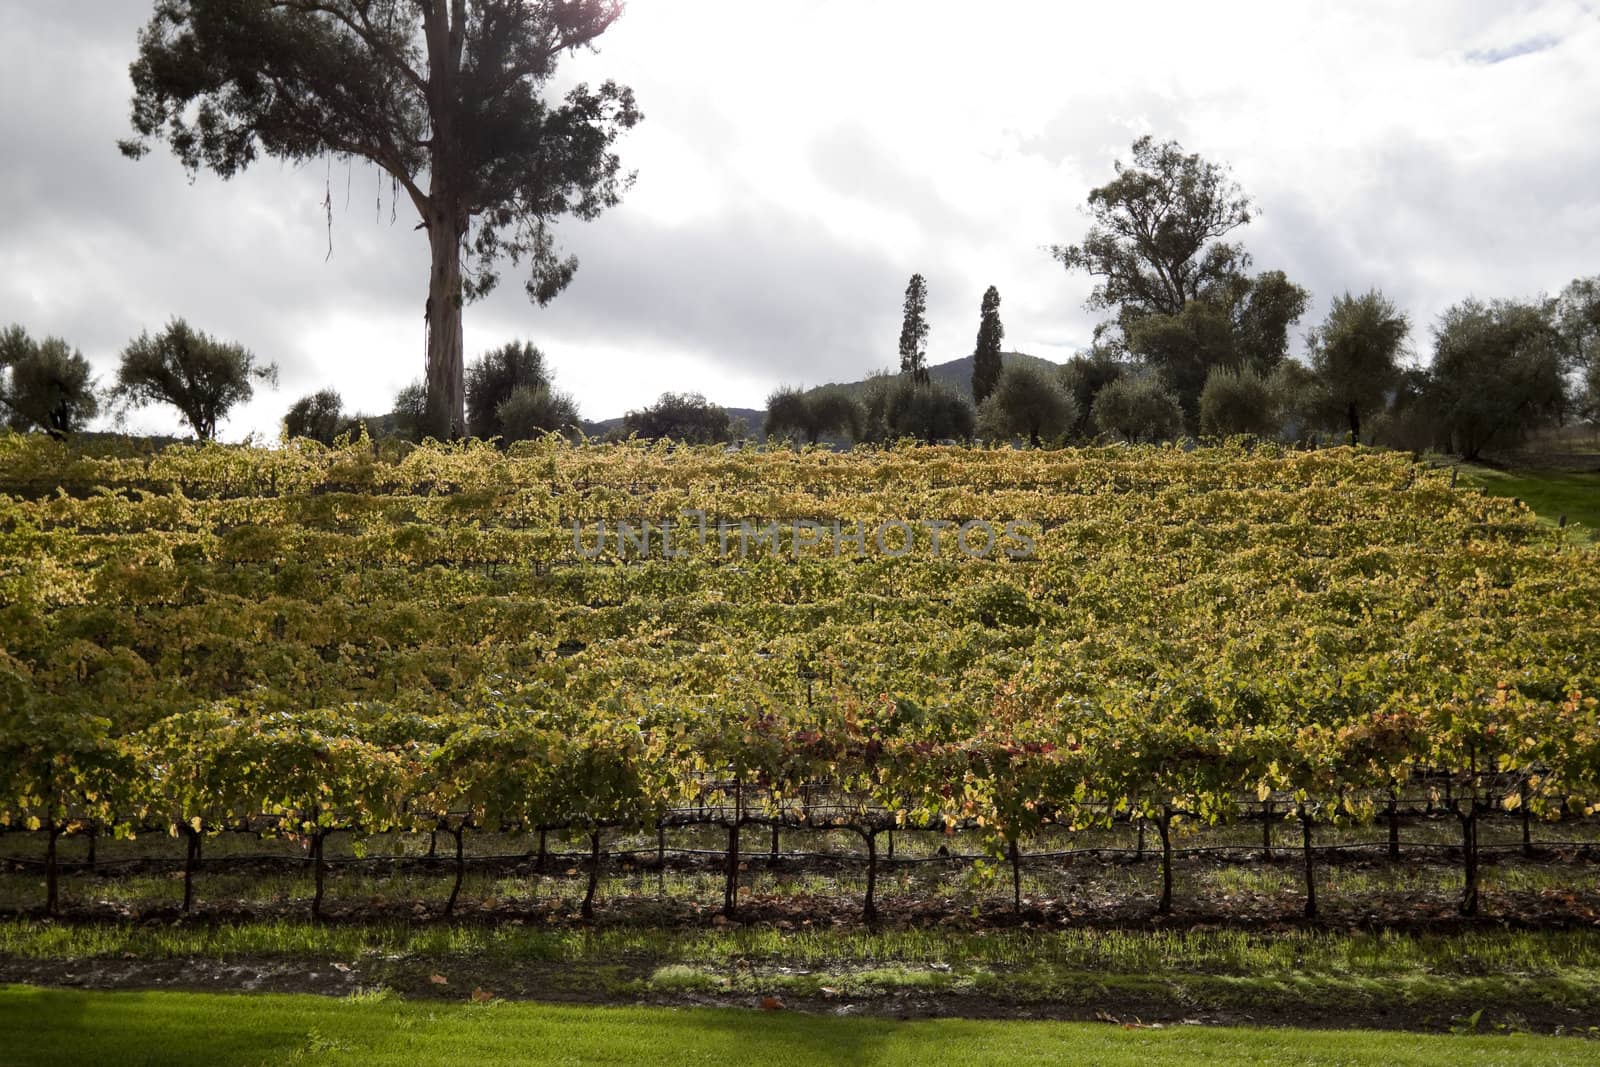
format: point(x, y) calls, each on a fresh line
point(800, 159)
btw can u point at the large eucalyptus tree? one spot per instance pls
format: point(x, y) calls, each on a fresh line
point(446, 96)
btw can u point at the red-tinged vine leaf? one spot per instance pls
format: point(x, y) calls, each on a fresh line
point(438, 979)
point(771, 1004)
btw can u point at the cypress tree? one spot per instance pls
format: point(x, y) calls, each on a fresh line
point(986, 355)
point(914, 332)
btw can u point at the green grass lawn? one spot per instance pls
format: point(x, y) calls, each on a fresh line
point(1550, 494)
point(44, 1027)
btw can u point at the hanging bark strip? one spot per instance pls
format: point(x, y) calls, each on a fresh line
point(1311, 872)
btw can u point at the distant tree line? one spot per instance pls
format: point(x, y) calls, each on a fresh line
point(1195, 344)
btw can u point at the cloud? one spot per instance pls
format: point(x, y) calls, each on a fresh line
point(1542, 43)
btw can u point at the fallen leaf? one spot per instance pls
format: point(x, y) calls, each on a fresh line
point(771, 1004)
point(438, 979)
point(481, 996)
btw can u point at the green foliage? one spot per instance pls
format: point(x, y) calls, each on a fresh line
point(986, 352)
point(1137, 407)
point(1156, 241)
point(914, 331)
point(1591, 393)
point(318, 416)
point(1241, 323)
point(498, 374)
point(222, 83)
point(202, 377)
point(1184, 347)
point(1237, 401)
point(410, 415)
point(1084, 375)
point(531, 411)
point(1578, 319)
point(1356, 355)
point(1029, 403)
point(810, 414)
point(1497, 372)
point(1262, 316)
point(686, 417)
point(896, 407)
point(45, 385)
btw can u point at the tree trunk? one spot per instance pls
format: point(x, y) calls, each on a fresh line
point(1469, 860)
point(1394, 825)
point(94, 840)
point(52, 875)
point(1355, 424)
point(1311, 871)
point(730, 889)
point(1016, 877)
point(661, 859)
point(869, 909)
point(1266, 830)
point(191, 860)
point(773, 855)
point(321, 870)
point(1164, 828)
point(1527, 822)
point(446, 381)
point(455, 890)
point(543, 852)
point(594, 876)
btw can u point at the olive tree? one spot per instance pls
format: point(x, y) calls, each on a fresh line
point(45, 385)
point(202, 377)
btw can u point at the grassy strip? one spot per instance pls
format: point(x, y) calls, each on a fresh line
point(1521, 953)
point(1550, 494)
point(47, 1027)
